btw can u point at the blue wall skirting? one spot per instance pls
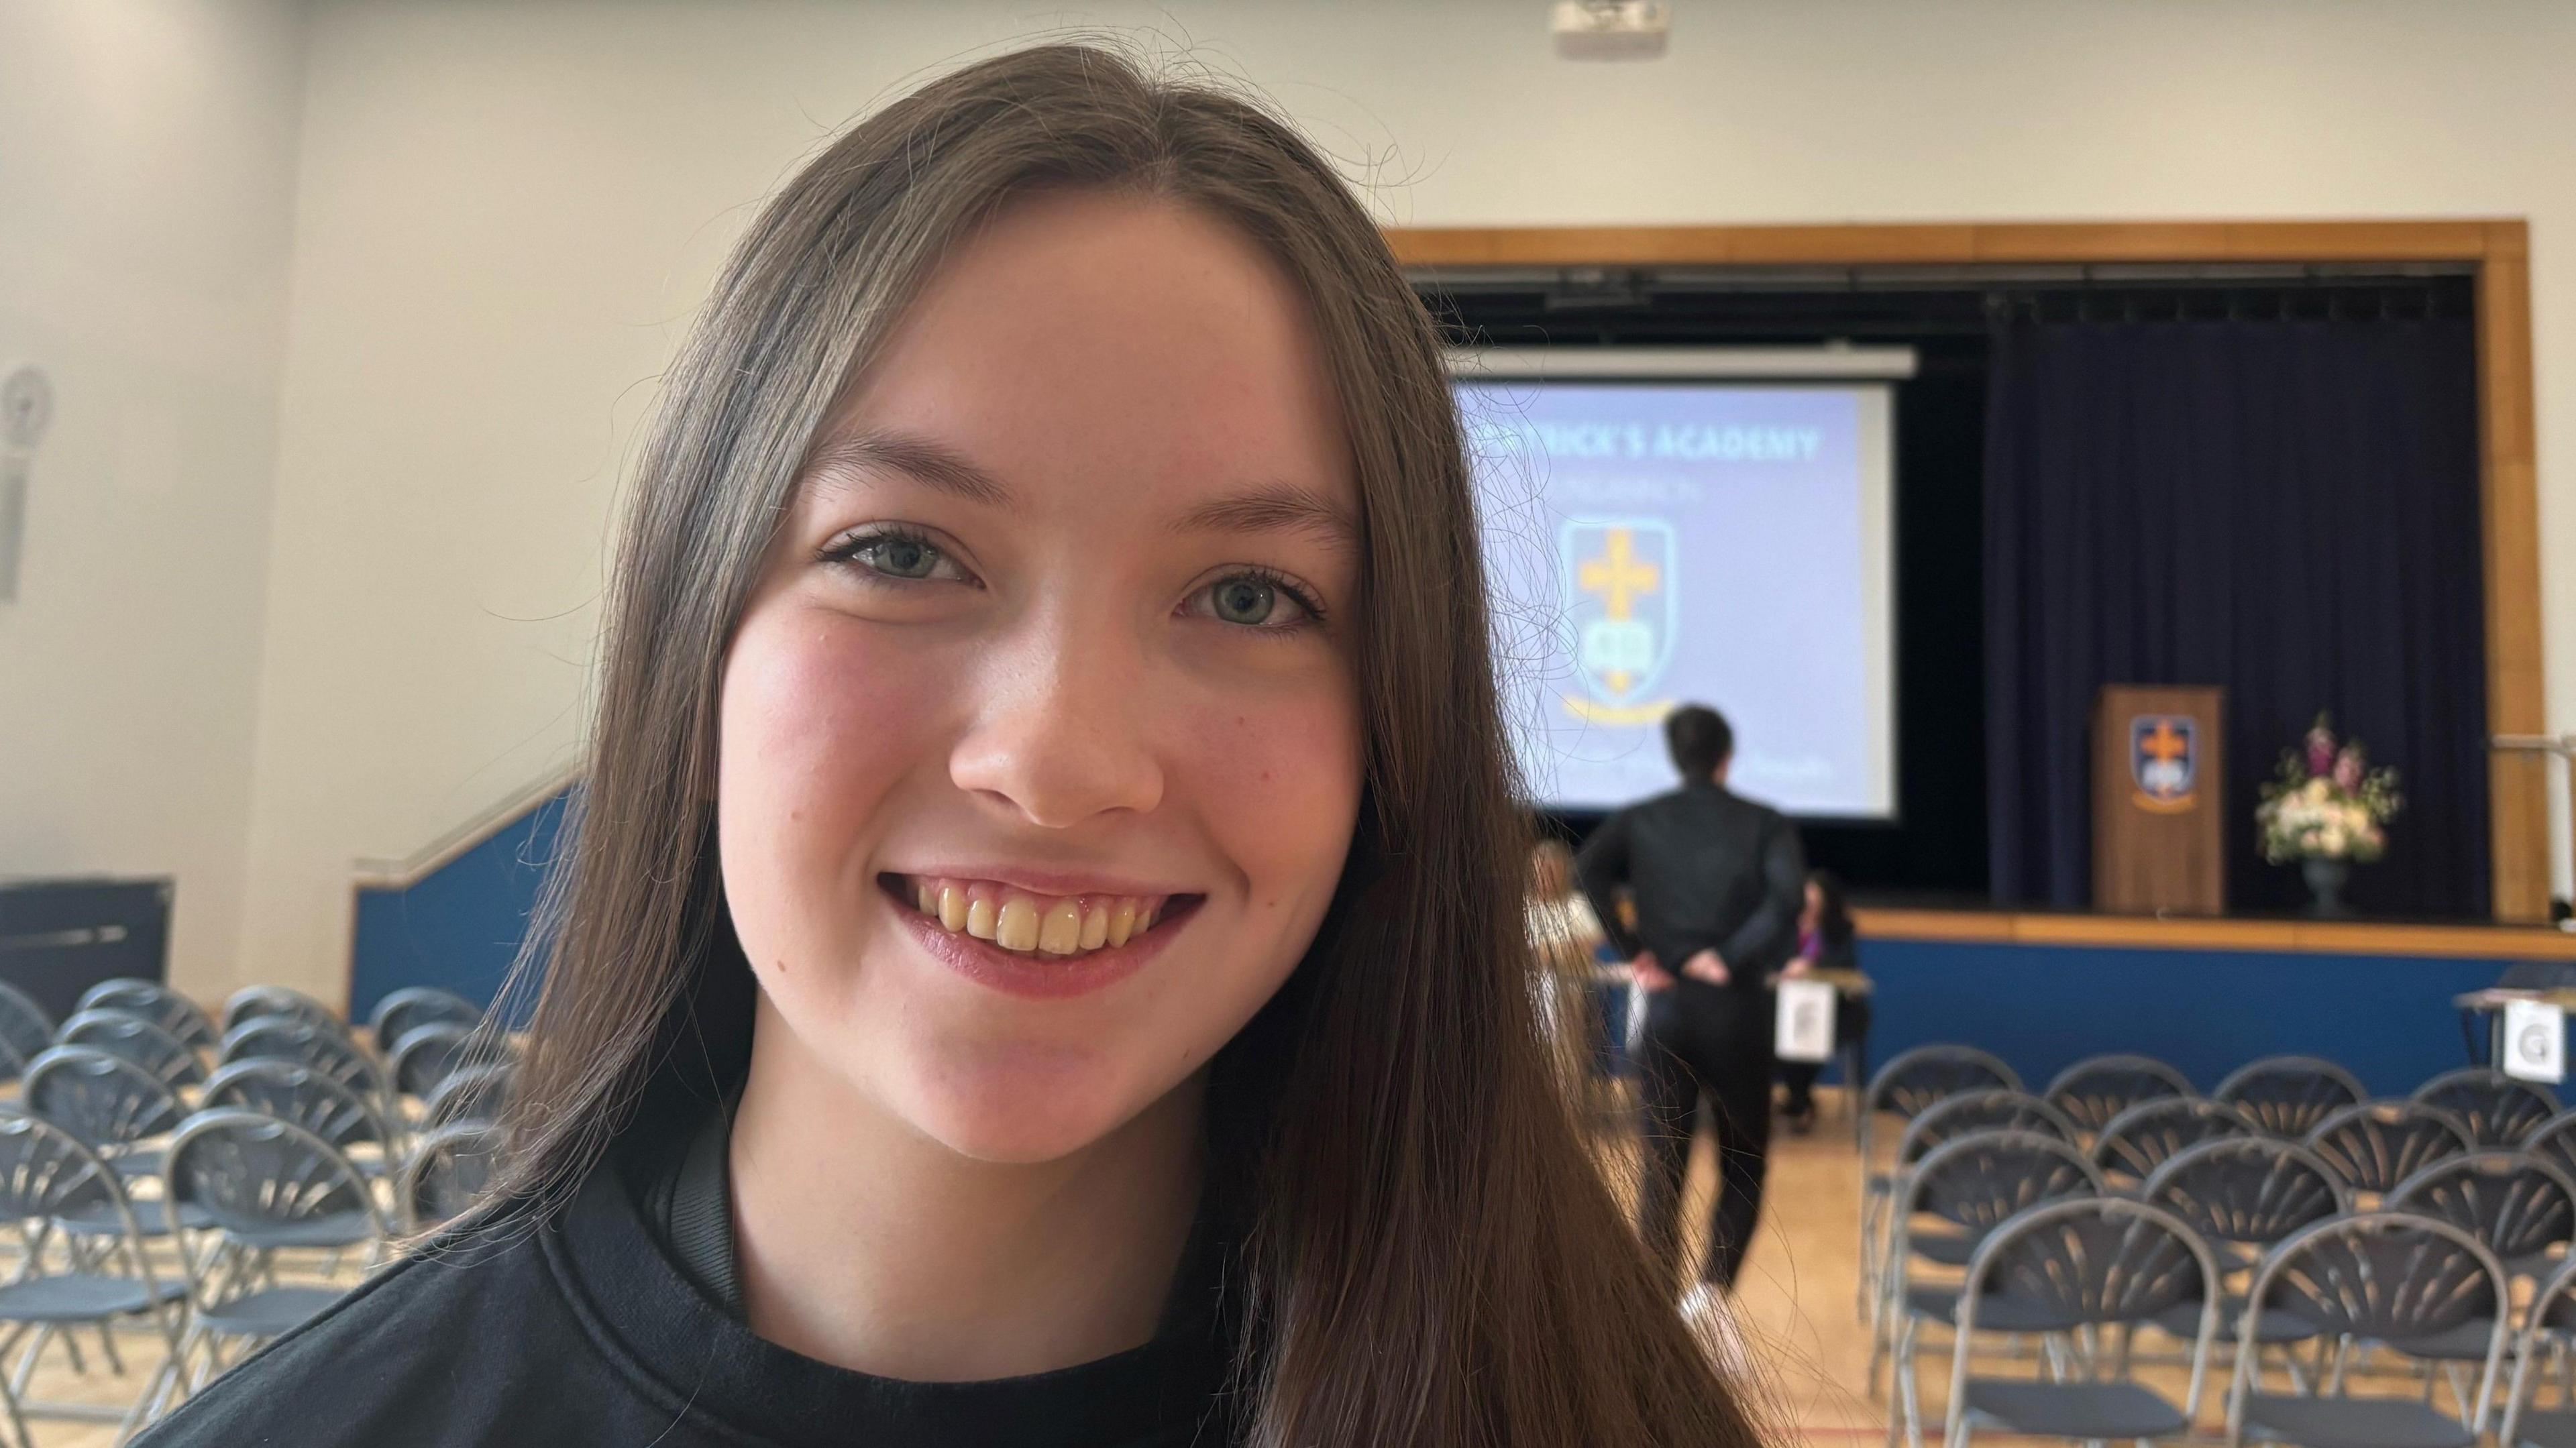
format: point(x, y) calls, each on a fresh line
point(460, 925)
point(2387, 1018)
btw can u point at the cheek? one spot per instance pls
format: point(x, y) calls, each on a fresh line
point(818, 724)
point(1281, 784)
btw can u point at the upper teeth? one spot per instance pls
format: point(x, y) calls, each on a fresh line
point(1014, 919)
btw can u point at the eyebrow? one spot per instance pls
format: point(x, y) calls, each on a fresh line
point(1279, 508)
point(920, 458)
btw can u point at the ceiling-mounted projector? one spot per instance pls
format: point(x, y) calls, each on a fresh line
point(1610, 29)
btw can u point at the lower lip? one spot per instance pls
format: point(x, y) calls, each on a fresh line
point(1042, 977)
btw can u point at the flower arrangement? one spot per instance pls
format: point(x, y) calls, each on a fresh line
point(2326, 803)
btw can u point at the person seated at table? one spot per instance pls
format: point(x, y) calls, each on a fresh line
point(1827, 949)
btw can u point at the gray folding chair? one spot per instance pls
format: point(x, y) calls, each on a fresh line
point(2376, 1277)
point(448, 1171)
point(1946, 1120)
point(2095, 1089)
point(407, 1010)
point(1903, 1087)
point(2244, 1194)
point(2517, 1205)
point(47, 1177)
point(121, 1033)
point(431, 1054)
point(326, 1049)
point(25, 1028)
point(2554, 1141)
point(2134, 1143)
point(2498, 1110)
point(2377, 1144)
point(1972, 1183)
point(2092, 1263)
point(2287, 1096)
point(258, 1002)
point(108, 1103)
point(156, 1003)
point(477, 1093)
point(293, 1091)
point(2545, 1330)
point(265, 1186)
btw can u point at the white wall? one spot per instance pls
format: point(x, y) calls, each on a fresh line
point(506, 211)
point(147, 154)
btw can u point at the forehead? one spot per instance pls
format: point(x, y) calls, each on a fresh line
point(1112, 346)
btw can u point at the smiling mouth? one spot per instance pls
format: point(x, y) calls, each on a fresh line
point(1026, 923)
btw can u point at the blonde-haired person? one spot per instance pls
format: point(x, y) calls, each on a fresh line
point(1567, 939)
point(1040, 957)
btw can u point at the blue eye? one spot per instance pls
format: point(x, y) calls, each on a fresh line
point(1258, 599)
point(1244, 600)
point(896, 554)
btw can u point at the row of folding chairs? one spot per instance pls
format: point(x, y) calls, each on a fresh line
point(253, 1220)
point(2284, 1095)
point(2155, 1110)
point(2366, 1152)
point(397, 1026)
point(2082, 1272)
point(433, 1035)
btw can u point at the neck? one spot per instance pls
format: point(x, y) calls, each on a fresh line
point(865, 1244)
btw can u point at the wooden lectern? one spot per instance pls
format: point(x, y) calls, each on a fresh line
point(2157, 804)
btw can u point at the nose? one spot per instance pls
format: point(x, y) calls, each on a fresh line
point(1061, 732)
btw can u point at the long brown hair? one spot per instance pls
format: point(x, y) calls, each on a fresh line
point(1428, 1256)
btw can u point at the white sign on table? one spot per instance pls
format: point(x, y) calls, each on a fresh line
point(1806, 1028)
point(2535, 1041)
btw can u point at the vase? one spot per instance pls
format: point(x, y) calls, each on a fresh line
point(2325, 885)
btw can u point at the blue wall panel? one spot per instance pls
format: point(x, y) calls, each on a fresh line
point(2387, 1018)
point(458, 927)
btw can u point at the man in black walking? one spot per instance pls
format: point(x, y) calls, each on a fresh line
point(1717, 880)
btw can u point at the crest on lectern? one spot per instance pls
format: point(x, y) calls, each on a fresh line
point(2164, 760)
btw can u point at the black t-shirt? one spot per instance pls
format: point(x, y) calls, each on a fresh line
point(618, 1324)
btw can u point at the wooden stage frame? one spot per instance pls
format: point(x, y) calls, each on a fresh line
point(2176, 932)
point(2498, 249)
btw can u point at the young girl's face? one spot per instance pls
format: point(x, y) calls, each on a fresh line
point(1040, 751)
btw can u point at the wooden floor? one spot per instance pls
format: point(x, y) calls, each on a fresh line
point(1794, 1302)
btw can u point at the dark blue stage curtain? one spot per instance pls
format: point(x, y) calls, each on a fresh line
point(2287, 509)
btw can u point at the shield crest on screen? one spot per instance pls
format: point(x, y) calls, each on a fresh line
point(1620, 600)
point(2164, 759)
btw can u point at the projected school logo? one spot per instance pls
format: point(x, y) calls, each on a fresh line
point(1619, 608)
point(2164, 761)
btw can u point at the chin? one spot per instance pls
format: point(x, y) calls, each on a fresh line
point(1018, 1105)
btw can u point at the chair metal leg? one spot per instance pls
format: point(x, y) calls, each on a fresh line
point(26, 1371)
point(17, 1418)
point(1895, 1402)
point(1863, 1304)
point(1911, 1383)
